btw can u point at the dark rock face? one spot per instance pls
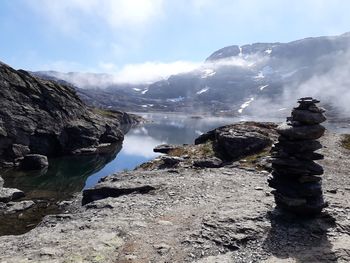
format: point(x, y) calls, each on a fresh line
point(297, 187)
point(43, 117)
point(234, 141)
point(34, 162)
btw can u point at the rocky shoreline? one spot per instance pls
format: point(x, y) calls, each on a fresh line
point(171, 210)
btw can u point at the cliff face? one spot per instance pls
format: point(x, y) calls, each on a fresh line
point(44, 117)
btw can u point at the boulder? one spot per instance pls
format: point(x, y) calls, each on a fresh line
point(15, 207)
point(10, 194)
point(231, 142)
point(208, 163)
point(34, 162)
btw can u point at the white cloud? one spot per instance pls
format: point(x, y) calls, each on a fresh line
point(152, 71)
point(70, 15)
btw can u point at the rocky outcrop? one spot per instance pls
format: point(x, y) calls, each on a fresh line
point(43, 117)
point(238, 140)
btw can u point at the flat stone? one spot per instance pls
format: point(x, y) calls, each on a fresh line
point(310, 132)
point(308, 117)
point(10, 194)
point(165, 148)
point(309, 156)
point(295, 189)
point(294, 163)
point(213, 162)
point(34, 162)
point(119, 186)
point(300, 206)
point(292, 147)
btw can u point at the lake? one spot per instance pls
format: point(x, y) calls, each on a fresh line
point(67, 176)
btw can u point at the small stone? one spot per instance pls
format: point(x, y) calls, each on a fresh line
point(332, 191)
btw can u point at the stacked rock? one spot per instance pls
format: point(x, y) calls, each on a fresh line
point(295, 175)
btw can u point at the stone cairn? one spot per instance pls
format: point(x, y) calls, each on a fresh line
point(295, 175)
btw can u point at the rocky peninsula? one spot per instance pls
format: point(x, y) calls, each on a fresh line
point(43, 117)
point(198, 204)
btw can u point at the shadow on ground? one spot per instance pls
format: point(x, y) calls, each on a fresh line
point(300, 239)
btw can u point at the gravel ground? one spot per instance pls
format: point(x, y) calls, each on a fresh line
point(194, 215)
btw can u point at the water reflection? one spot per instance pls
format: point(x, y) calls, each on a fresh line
point(64, 177)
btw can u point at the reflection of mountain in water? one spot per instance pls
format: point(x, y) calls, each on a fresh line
point(179, 129)
point(63, 177)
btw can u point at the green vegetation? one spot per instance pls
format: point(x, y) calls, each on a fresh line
point(252, 160)
point(346, 141)
point(200, 151)
point(105, 113)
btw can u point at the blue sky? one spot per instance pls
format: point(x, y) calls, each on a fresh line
point(152, 35)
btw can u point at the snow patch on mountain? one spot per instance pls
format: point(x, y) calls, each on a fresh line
point(178, 99)
point(203, 90)
point(208, 73)
point(263, 87)
point(144, 91)
point(245, 104)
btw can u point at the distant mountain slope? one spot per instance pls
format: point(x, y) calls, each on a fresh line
point(238, 80)
point(234, 78)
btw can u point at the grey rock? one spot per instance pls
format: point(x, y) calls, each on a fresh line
point(171, 160)
point(305, 207)
point(234, 141)
point(34, 162)
point(1, 182)
point(310, 132)
point(308, 117)
point(213, 162)
point(18, 150)
point(15, 207)
point(297, 147)
point(116, 187)
point(165, 148)
point(10, 194)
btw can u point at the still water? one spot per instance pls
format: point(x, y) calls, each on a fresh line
point(69, 175)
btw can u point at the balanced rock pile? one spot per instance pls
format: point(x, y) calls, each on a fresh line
point(295, 176)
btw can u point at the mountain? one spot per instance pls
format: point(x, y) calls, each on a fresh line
point(256, 79)
point(43, 117)
point(235, 78)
